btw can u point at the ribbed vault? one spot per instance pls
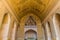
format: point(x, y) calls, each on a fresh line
point(40, 8)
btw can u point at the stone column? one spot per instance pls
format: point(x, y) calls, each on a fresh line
point(48, 31)
point(56, 27)
point(14, 31)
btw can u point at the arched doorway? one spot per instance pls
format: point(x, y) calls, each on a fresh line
point(30, 29)
point(30, 35)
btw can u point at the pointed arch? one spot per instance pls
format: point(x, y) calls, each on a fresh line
point(5, 26)
point(30, 21)
point(40, 31)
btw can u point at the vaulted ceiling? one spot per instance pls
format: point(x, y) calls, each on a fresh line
point(41, 8)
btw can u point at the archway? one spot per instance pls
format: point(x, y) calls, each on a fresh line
point(5, 27)
point(30, 35)
point(36, 24)
point(30, 25)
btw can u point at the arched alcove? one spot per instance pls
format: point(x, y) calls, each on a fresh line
point(5, 26)
point(30, 23)
point(56, 22)
point(36, 22)
point(30, 35)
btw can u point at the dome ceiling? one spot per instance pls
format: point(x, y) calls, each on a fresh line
point(40, 8)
